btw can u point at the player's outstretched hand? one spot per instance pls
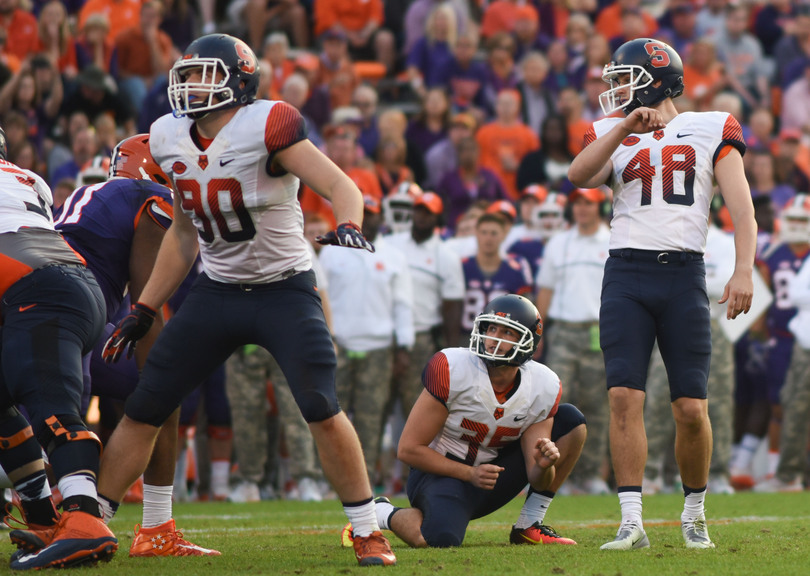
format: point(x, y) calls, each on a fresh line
point(643, 120)
point(547, 453)
point(485, 475)
point(129, 330)
point(347, 234)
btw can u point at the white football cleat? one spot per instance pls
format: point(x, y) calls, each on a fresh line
point(630, 536)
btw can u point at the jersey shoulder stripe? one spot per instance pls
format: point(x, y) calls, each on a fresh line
point(436, 377)
point(284, 127)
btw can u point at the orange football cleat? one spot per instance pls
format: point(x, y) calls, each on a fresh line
point(165, 540)
point(537, 534)
point(80, 538)
point(373, 550)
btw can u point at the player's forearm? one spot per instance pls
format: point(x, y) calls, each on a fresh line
point(175, 258)
point(347, 202)
point(590, 167)
point(426, 459)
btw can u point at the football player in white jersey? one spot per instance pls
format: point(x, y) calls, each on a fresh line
point(488, 423)
point(661, 166)
point(235, 164)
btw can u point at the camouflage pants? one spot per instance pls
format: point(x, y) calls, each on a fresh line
point(581, 368)
point(363, 387)
point(249, 369)
point(408, 388)
point(795, 398)
point(658, 418)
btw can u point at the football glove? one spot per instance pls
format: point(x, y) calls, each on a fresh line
point(347, 234)
point(129, 330)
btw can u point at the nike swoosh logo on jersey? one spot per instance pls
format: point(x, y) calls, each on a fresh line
point(679, 135)
point(24, 308)
point(225, 162)
point(519, 418)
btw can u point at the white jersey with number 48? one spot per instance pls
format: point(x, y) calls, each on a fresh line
point(663, 181)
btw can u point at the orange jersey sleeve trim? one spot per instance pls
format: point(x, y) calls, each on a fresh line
point(165, 206)
point(553, 411)
point(284, 127)
point(436, 377)
point(11, 270)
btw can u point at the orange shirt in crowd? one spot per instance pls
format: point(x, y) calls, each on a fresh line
point(576, 135)
point(501, 15)
point(133, 53)
point(351, 14)
point(497, 141)
point(22, 33)
point(700, 87)
point(280, 75)
point(313, 202)
point(121, 14)
point(67, 60)
point(609, 22)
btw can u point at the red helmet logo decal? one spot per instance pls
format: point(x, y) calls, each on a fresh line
point(247, 61)
point(658, 54)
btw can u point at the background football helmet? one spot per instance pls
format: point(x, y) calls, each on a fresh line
point(94, 171)
point(548, 217)
point(238, 79)
point(519, 314)
point(132, 159)
point(645, 61)
point(398, 207)
point(795, 220)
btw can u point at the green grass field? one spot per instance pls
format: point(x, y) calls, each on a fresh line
point(755, 534)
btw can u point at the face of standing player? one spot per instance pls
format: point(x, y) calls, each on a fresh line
point(500, 339)
point(490, 236)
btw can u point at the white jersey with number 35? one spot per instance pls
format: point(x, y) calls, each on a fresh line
point(478, 425)
point(249, 222)
point(663, 181)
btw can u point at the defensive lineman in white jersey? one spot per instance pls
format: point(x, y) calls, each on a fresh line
point(661, 166)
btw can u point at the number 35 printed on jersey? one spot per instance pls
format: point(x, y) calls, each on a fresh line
point(223, 198)
point(674, 159)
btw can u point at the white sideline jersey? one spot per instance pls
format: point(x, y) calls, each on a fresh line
point(249, 222)
point(26, 199)
point(478, 425)
point(663, 181)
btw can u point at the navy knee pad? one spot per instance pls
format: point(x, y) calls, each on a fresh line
point(566, 419)
point(441, 538)
point(316, 405)
point(142, 407)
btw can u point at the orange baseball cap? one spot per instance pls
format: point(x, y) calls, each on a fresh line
point(590, 194)
point(431, 201)
point(503, 207)
point(537, 191)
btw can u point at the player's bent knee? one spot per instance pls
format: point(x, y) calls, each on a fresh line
point(568, 418)
point(142, 407)
point(442, 539)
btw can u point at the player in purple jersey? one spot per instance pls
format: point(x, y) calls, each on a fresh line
point(778, 263)
point(488, 275)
